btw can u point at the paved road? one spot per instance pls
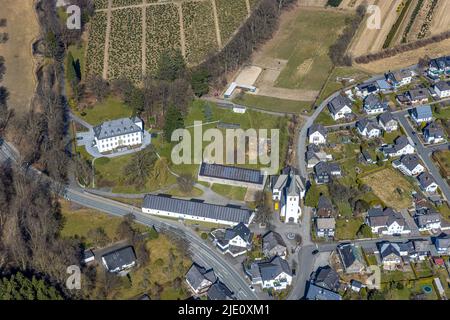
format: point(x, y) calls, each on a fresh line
point(201, 252)
point(424, 154)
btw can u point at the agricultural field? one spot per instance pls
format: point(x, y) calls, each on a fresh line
point(200, 33)
point(125, 48)
point(391, 187)
point(231, 14)
point(22, 28)
point(163, 33)
point(372, 40)
point(197, 28)
point(96, 44)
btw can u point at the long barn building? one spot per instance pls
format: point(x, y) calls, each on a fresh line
point(193, 210)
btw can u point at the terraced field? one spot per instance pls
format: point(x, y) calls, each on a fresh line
point(163, 33)
point(231, 14)
point(125, 50)
point(96, 45)
point(134, 46)
point(199, 28)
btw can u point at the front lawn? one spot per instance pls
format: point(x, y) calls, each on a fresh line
point(234, 193)
point(111, 108)
point(274, 104)
point(346, 228)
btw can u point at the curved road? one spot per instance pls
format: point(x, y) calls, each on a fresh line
point(200, 251)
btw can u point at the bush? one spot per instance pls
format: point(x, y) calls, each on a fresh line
point(204, 236)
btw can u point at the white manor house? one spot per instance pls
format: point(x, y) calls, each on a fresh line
point(114, 134)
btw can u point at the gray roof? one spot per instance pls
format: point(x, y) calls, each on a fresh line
point(443, 85)
point(410, 161)
point(369, 124)
point(440, 63)
point(239, 230)
point(219, 291)
point(326, 167)
point(326, 223)
point(399, 144)
point(270, 270)
point(119, 258)
point(388, 248)
point(271, 240)
point(197, 274)
point(373, 101)
point(117, 127)
point(198, 209)
point(327, 278)
point(433, 130)
point(418, 94)
point(379, 218)
point(386, 117)
point(338, 103)
point(231, 173)
point(349, 254)
point(317, 128)
point(425, 219)
point(370, 87)
point(318, 293)
point(422, 112)
point(443, 242)
point(425, 179)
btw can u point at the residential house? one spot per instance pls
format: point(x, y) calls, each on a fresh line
point(409, 164)
point(401, 146)
point(351, 258)
point(318, 293)
point(317, 134)
point(327, 278)
point(399, 78)
point(114, 134)
point(314, 155)
point(390, 255)
point(439, 66)
point(287, 190)
point(422, 114)
point(442, 244)
point(427, 219)
point(325, 227)
point(386, 222)
point(432, 133)
point(427, 183)
point(324, 171)
point(387, 122)
point(233, 176)
point(275, 274)
point(374, 105)
point(365, 89)
point(383, 85)
point(442, 89)
point(219, 291)
point(340, 107)
point(200, 279)
point(368, 128)
point(274, 245)
point(418, 96)
point(120, 260)
point(236, 240)
point(88, 256)
point(356, 285)
point(324, 207)
point(367, 157)
point(421, 249)
point(403, 99)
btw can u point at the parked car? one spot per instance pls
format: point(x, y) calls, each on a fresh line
point(314, 252)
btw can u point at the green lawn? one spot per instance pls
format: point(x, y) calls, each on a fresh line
point(305, 43)
point(234, 193)
point(324, 118)
point(389, 137)
point(110, 109)
point(346, 228)
point(313, 194)
point(274, 104)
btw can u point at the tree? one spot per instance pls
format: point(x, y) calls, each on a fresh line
point(171, 66)
point(99, 236)
point(19, 287)
point(200, 82)
point(263, 215)
point(138, 170)
point(2, 67)
point(136, 100)
point(185, 182)
point(98, 86)
point(174, 120)
point(364, 231)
